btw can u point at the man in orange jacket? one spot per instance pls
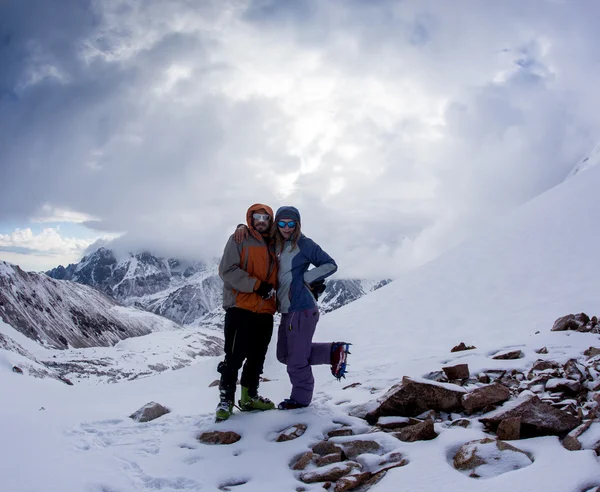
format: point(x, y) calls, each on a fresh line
point(249, 273)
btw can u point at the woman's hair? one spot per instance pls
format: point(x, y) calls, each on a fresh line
point(278, 240)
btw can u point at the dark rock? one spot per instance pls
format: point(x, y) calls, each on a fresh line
point(18, 370)
point(324, 448)
point(543, 365)
point(351, 482)
point(537, 418)
point(328, 459)
point(509, 429)
point(513, 354)
point(438, 376)
point(572, 370)
point(353, 385)
point(392, 460)
point(412, 397)
point(330, 473)
point(423, 431)
point(460, 423)
point(564, 386)
point(582, 318)
point(565, 323)
point(474, 454)
point(340, 432)
point(460, 371)
point(483, 378)
point(291, 433)
point(486, 395)
point(218, 437)
point(592, 352)
point(354, 448)
point(571, 441)
point(374, 480)
point(542, 351)
point(461, 346)
point(302, 462)
point(149, 411)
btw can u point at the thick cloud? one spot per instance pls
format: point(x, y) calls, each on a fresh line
point(396, 127)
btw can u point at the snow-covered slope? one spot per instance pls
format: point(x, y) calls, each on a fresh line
point(189, 293)
point(589, 161)
point(62, 314)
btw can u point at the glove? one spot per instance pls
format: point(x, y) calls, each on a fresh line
point(317, 288)
point(265, 290)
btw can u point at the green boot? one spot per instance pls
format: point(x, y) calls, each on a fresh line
point(248, 403)
point(224, 410)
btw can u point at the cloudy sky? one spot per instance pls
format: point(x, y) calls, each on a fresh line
point(397, 127)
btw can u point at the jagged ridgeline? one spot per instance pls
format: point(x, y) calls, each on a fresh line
point(185, 292)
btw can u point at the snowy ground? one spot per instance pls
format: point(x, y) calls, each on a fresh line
point(501, 290)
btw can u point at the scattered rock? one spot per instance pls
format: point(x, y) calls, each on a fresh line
point(353, 385)
point(350, 482)
point(572, 370)
point(460, 371)
point(330, 473)
point(291, 433)
point(324, 448)
point(488, 457)
point(543, 365)
point(486, 395)
point(563, 385)
point(412, 397)
point(461, 346)
point(218, 437)
point(565, 323)
point(511, 355)
point(150, 411)
point(543, 350)
point(509, 429)
point(353, 448)
point(18, 370)
point(329, 458)
point(438, 376)
point(392, 460)
point(422, 431)
point(346, 431)
point(374, 480)
point(592, 352)
point(302, 462)
point(571, 441)
point(537, 418)
point(482, 377)
point(460, 423)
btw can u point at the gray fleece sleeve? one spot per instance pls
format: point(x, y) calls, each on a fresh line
point(324, 264)
point(230, 271)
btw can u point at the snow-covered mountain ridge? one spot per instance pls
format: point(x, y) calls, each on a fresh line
point(189, 293)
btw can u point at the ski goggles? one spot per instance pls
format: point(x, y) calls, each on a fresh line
point(263, 217)
point(291, 224)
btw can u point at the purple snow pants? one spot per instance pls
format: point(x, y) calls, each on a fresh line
point(296, 349)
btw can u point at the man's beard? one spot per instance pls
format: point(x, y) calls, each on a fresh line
point(262, 228)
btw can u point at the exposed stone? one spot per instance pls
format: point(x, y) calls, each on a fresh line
point(329, 458)
point(353, 385)
point(345, 431)
point(439, 376)
point(563, 385)
point(392, 423)
point(291, 433)
point(582, 318)
point(542, 365)
point(537, 418)
point(423, 431)
point(565, 323)
point(17, 369)
point(412, 397)
point(218, 437)
point(351, 482)
point(511, 355)
point(393, 460)
point(329, 473)
point(572, 370)
point(509, 429)
point(592, 352)
point(571, 441)
point(459, 371)
point(543, 350)
point(149, 411)
point(461, 346)
point(324, 448)
point(353, 448)
point(374, 480)
point(482, 377)
point(302, 462)
point(460, 423)
point(486, 395)
point(499, 457)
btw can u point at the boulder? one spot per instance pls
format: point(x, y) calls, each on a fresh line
point(344, 431)
point(329, 458)
point(573, 370)
point(510, 355)
point(563, 385)
point(354, 448)
point(423, 431)
point(291, 433)
point(412, 397)
point(459, 371)
point(488, 457)
point(565, 323)
point(571, 441)
point(351, 482)
point(537, 418)
point(592, 352)
point(17, 369)
point(461, 346)
point(486, 395)
point(218, 437)
point(324, 448)
point(389, 461)
point(302, 462)
point(509, 429)
point(150, 411)
point(330, 473)
point(543, 350)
